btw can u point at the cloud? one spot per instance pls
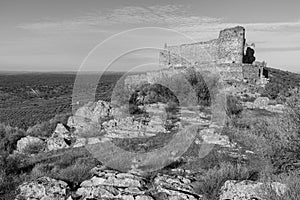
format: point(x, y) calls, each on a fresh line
point(168, 16)
point(198, 30)
point(177, 17)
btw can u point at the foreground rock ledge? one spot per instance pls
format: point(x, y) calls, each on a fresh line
point(43, 188)
point(110, 184)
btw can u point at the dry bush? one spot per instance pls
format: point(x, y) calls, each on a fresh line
point(34, 148)
point(74, 174)
point(40, 170)
point(292, 192)
point(233, 106)
point(211, 183)
point(9, 137)
point(45, 129)
point(276, 139)
point(72, 167)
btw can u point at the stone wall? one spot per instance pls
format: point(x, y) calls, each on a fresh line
point(236, 72)
point(222, 56)
point(251, 72)
point(151, 77)
point(255, 73)
point(228, 48)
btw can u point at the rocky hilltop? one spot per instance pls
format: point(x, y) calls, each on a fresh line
point(186, 132)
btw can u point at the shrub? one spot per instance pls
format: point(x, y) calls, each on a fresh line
point(214, 178)
point(34, 148)
point(275, 139)
point(74, 174)
point(9, 137)
point(45, 129)
point(233, 107)
point(292, 181)
point(40, 170)
point(68, 159)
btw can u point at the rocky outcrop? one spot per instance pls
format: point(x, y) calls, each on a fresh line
point(24, 142)
point(174, 187)
point(62, 131)
point(129, 127)
point(56, 143)
point(43, 188)
point(248, 190)
point(114, 185)
point(60, 139)
point(96, 111)
point(211, 136)
point(261, 102)
point(89, 117)
point(80, 142)
point(278, 108)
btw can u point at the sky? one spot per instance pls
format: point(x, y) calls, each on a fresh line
point(59, 35)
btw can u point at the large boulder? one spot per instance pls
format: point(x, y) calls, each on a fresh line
point(88, 118)
point(60, 139)
point(95, 111)
point(24, 142)
point(43, 188)
point(84, 127)
point(248, 190)
point(174, 187)
point(261, 102)
point(56, 143)
point(61, 131)
point(108, 184)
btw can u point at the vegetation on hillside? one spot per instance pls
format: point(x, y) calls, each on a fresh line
point(274, 139)
point(33, 98)
point(281, 82)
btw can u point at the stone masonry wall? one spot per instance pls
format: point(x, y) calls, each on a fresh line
point(222, 56)
point(226, 71)
point(228, 48)
point(134, 81)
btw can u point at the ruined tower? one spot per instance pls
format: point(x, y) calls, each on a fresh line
point(231, 45)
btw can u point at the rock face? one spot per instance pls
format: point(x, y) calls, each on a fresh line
point(25, 141)
point(56, 143)
point(247, 190)
point(60, 139)
point(100, 118)
point(83, 126)
point(175, 187)
point(89, 116)
point(61, 131)
point(95, 111)
point(43, 188)
point(108, 184)
point(112, 185)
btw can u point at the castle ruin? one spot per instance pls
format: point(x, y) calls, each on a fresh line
point(228, 55)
